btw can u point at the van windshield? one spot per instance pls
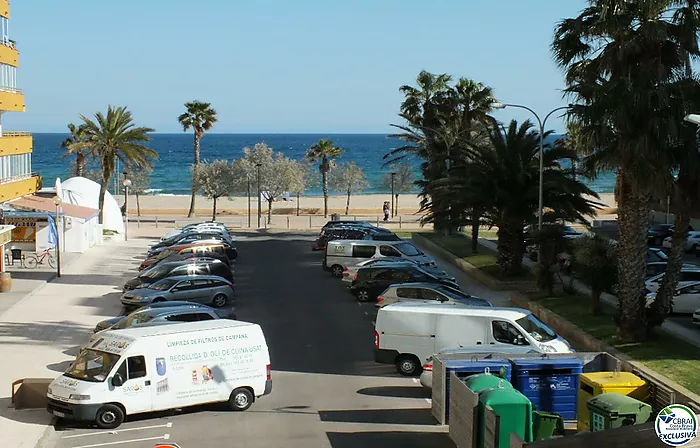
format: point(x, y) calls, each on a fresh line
point(408, 249)
point(535, 328)
point(92, 365)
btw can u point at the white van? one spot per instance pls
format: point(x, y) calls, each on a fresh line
point(408, 333)
point(342, 253)
point(152, 368)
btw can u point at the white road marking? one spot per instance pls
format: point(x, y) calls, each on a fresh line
point(145, 439)
point(366, 313)
point(415, 380)
point(167, 425)
point(429, 400)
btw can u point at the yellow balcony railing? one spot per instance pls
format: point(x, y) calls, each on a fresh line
point(5, 8)
point(14, 188)
point(11, 100)
point(16, 143)
point(8, 52)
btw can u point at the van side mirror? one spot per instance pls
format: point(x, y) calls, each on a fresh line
point(520, 340)
point(117, 380)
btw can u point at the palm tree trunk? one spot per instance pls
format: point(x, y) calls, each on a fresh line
point(596, 304)
point(347, 204)
point(397, 205)
point(662, 305)
point(79, 164)
point(324, 173)
point(269, 211)
point(633, 219)
point(213, 211)
point(104, 184)
point(138, 205)
point(510, 247)
point(297, 204)
point(476, 220)
point(197, 141)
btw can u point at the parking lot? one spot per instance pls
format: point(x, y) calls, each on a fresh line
point(327, 389)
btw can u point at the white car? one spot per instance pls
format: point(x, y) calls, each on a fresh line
point(427, 293)
point(691, 243)
point(203, 227)
point(686, 300)
point(685, 278)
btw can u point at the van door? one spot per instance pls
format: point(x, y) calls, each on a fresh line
point(136, 390)
point(502, 332)
point(459, 332)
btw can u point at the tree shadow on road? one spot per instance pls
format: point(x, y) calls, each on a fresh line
point(419, 416)
point(390, 439)
point(29, 416)
point(60, 333)
point(396, 391)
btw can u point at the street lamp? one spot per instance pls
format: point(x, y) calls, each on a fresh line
point(248, 176)
point(127, 184)
point(258, 165)
point(393, 176)
point(541, 193)
point(58, 201)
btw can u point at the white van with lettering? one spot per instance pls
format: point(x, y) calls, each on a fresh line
point(152, 368)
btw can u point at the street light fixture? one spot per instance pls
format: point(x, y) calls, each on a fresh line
point(541, 123)
point(258, 165)
point(58, 201)
point(393, 176)
point(127, 184)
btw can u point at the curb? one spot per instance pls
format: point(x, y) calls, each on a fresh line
point(470, 269)
point(50, 437)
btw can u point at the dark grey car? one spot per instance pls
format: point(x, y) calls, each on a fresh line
point(206, 289)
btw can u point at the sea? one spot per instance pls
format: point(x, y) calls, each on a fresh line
point(171, 172)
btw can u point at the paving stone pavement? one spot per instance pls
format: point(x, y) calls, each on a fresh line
point(41, 333)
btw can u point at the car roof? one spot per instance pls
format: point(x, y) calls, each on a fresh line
point(195, 244)
point(173, 310)
point(186, 262)
point(185, 327)
point(190, 277)
point(683, 269)
point(431, 308)
point(172, 304)
point(367, 242)
point(420, 285)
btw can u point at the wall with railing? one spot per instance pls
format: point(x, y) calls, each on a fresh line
point(15, 167)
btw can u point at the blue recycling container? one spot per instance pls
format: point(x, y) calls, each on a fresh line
point(465, 368)
point(550, 384)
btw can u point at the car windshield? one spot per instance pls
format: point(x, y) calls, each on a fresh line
point(657, 255)
point(163, 285)
point(155, 273)
point(92, 365)
point(166, 253)
point(408, 249)
point(569, 229)
point(538, 330)
point(131, 320)
point(660, 228)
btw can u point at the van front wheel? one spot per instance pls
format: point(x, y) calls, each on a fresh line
point(408, 365)
point(109, 416)
point(241, 399)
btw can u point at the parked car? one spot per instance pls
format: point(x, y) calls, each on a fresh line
point(370, 281)
point(686, 277)
point(686, 299)
point(655, 268)
point(654, 255)
point(206, 289)
point(692, 242)
point(181, 237)
point(188, 239)
point(350, 271)
point(427, 293)
point(188, 250)
point(221, 312)
point(230, 251)
point(197, 227)
point(352, 233)
point(200, 256)
point(170, 314)
point(342, 253)
point(696, 317)
point(349, 222)
point(174, 268)
point(657, 234)
point(569, 233)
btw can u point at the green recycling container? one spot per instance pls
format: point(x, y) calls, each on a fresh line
point(483, 381)
point(515, 411)
point(546, 425)
point(614, 410)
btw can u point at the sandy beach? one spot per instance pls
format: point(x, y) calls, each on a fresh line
point(366, 204)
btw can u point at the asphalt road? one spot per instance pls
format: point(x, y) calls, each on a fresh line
point(327, 390)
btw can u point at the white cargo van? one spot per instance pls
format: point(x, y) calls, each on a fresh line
point(408, 333)
point(152, 368)
point(342, 253)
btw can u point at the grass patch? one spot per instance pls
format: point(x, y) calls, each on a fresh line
point(487, 234)
point(485, 259)
point(404, 235)
point(666, 354)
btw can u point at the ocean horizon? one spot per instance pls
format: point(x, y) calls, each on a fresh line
point(171, 172)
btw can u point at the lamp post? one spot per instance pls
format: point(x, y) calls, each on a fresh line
point(258, 165)
point(393, 176)
point(58, 201)
point(541, 193)
point(127, 184)
point(248, 175)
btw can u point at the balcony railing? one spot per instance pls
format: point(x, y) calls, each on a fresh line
point(8, 43)
point(10, 89)
point(18, 177)
point(16, 134)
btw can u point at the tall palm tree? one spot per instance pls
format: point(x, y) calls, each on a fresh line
point(114, 136)
point(620, 58)
point(325, 152)
point(506, 174)
point(74, 145)
point(200, 117)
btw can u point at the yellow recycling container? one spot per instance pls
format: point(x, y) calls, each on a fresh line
point(596, 383)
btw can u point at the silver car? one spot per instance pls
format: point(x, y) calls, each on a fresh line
point(175, 314)
point(227, 313)
point(427, 293)
point(206, 289)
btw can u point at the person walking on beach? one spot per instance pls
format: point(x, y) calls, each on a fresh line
point(386, 210)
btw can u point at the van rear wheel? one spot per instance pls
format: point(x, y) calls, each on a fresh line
point(337, 270)
point(241, 399)
point(109, 416)
point(408, 365)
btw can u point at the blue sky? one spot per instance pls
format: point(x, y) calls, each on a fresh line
point(274, 65)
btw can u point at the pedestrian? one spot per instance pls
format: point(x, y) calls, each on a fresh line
point(386, 211)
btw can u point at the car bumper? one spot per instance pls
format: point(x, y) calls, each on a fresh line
point(383, 356)
point(70, 411)
point(426, 379)
point(696, 320)
point(268, 387)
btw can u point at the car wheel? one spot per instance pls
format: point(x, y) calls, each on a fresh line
point(408, 365)
point(109, 416)
point(337, 270)
point(362, 295)
point(219, 300)
point(241, 399)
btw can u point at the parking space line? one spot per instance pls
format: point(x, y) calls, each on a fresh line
point(145, 439)
point(415, 380)
point(430, 401)
point(167, 425)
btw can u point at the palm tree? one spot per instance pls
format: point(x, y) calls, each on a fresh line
point(200, 117)
point(505, 173)
point(114, 136)
point(620, 59)
point(324, 151)
point(74, 145)
point(595, 263)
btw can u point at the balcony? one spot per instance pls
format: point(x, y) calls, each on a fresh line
point(5, 8)
point(11, 100)
point(13, 143)
point(14, 188)
point(8, 52)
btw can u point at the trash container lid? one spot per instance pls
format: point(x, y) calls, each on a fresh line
point(533, 364)
point(618, 379)
point(613, 402)
point(499, 395)
point(492, 364)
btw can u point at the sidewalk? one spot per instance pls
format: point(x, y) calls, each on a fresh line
point(40, 334)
